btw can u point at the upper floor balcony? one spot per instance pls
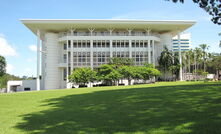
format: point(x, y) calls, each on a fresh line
point(64, 34)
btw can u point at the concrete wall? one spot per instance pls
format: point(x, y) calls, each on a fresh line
point(21, 85)
point(52, 57)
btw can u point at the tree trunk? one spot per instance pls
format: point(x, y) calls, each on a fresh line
point(129, 81)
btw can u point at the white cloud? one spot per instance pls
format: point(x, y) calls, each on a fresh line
point(6, 49)
point(33, 48)
point(9, 68)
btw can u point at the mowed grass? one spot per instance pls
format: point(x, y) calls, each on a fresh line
point(161, 108)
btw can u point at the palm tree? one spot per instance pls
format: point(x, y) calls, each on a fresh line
point(204, 47)
point(165, 60)
point(198, 54)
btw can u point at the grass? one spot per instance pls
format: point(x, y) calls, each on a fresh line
point(161, 108)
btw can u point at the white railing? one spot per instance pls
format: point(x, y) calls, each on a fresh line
point(64, 34)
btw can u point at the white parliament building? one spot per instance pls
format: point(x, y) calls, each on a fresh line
point(69, 44)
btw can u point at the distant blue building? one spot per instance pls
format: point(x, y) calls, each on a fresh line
point(185, 42)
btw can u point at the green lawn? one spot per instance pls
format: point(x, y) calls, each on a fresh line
point(161, 108)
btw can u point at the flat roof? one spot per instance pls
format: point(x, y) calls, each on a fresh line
point(62, 25)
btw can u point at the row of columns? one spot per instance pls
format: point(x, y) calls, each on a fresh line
point(111, 54)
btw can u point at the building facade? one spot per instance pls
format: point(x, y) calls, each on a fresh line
point(185, 42)
point(70, 44)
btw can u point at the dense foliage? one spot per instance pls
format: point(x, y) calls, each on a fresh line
point(2, 65)
point(5, 78)
point(110, 74)
point(82, 76)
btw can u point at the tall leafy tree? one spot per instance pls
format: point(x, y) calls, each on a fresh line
point(204, 47)
point(127, 72)
point(118, 61)
point(213, 7)
point(198, 54)
point(2, 65)
point(108, 74)
point(165, 60)
point(82, 76)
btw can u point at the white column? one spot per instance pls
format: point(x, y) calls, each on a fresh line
point(67, 72)
point(180, 58)
point(149, 55)
point(130, 48)
point(72, 56)
point(38, 61)
point(111, 48)
point(91, 54)
point(153, 52)
point(148, 31)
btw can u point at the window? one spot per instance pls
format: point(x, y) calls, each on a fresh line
point(98, 44)
point(114, 44)
point(64, 74)
point(94, 44)
point(141, 43)
point(103, 43)
point(122, 43)
point(118, 43)
point(27, 89)
point(79, 44)
point(126, 44)
point(137, 43)
point(65, 46)
point(69, 44)
point(84, 44)
point(65, 58)
point(133, 43)
point(107, 43)
point(75, 44)
point(145, 44)
point(88, 43)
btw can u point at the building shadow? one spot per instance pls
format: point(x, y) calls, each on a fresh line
point(182, 109)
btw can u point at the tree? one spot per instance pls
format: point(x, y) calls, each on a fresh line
point(127, 72)
point(204, 47)
point(5, 78)
point(108, 74)
point(216, 63)
point(165, 60)
point(118, 61)
point(198, 57)
point(213, 7)
point(82, 76)
point(2, 65)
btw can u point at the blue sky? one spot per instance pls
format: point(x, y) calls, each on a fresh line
point(17, 43)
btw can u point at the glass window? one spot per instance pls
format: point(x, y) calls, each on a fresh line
point(88, 43)
point(126, 44)
point(141, 43)
point(94, 44)
point(118, 43)
point(79, 44)
point(137, 43)
point(108, 43)
point(65, 46)
point(103, 43)
point(83, 44)
point(145, 44)
point(99, 44)
point(133, 43)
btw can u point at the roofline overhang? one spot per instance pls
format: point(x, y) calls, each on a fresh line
point(34, 24)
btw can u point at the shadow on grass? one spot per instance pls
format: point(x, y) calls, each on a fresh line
point(182, 109)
